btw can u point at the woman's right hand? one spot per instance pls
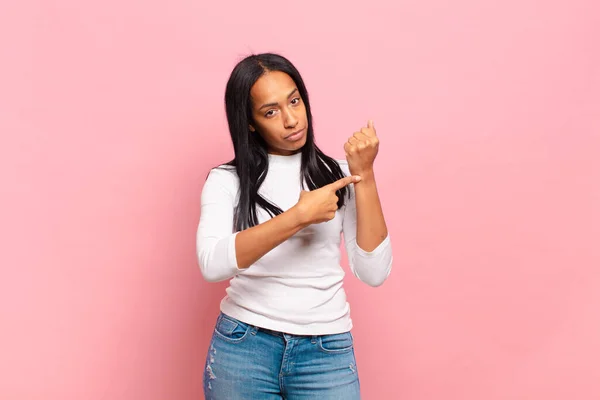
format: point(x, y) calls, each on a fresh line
point(320, 205)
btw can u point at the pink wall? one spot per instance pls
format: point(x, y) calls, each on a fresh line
point(489, 114)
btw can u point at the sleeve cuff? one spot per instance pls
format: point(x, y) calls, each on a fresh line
point(231, 253)
point(378, 250)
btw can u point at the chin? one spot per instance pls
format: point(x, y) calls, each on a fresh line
point(290, 148)
point(294, 146)
point(299, 145)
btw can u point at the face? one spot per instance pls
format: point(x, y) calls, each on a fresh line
point(279, 113)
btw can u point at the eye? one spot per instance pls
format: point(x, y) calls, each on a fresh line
point(296, 101)
point(270, 113)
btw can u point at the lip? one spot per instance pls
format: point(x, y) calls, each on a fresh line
point(295, 135)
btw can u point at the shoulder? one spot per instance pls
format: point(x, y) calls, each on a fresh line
point(224, 171)
point(224, 177)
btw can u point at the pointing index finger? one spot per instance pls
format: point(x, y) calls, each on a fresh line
point(337, 185)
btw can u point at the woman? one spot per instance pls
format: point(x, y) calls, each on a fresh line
point(271, 221)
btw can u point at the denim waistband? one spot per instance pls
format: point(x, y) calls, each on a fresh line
point(270, 331)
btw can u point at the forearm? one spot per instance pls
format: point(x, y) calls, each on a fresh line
point(371, 229)
point(253, 243)
point(223, 256)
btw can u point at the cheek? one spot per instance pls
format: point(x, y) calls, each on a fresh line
point(301, 112)
point(269, 133)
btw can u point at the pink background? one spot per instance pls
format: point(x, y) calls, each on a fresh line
point(489, 116)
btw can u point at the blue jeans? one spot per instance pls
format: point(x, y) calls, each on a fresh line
point(247, 362)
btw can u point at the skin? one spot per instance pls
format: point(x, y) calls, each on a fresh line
point(278, 111)
point(361, 149)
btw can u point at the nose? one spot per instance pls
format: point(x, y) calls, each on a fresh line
point(289, 119)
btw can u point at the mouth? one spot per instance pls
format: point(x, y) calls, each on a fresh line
point(295, 135)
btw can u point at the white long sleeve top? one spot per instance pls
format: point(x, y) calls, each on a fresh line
point(297, 287)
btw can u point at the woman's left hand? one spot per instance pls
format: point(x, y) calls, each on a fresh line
point(361, 150)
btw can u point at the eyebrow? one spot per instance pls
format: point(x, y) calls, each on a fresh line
point(274, 104)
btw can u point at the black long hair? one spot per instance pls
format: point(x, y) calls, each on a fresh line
point(251, 160)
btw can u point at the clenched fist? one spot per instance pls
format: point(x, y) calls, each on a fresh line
point(361, 150)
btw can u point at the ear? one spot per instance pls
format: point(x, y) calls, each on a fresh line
point(251, 128)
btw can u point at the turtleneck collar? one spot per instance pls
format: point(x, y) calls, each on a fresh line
point(292, 160)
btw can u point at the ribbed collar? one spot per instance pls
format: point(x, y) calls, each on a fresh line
point(286, 161)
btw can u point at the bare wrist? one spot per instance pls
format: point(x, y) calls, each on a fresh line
point(297, 215)
point(367, 177)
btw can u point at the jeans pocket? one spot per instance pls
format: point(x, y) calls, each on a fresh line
point(336, 343)
point(230, 329)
